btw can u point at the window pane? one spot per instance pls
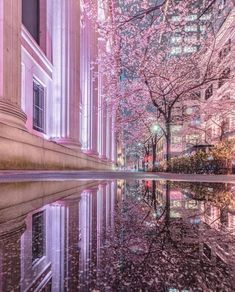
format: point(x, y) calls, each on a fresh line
point(30, 17)
point(38, 236)
point(38, 107)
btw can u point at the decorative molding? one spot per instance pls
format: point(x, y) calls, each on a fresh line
point(35, 52)
point(42, 279)
point(12, 115)
point(12, 228)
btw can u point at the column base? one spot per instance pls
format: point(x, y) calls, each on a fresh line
point(69, 143)
point(103, 157)
point(90, 152)
point(12, 115)
point(12, 227)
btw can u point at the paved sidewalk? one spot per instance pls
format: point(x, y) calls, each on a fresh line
point(36, 175)
point(198, 177)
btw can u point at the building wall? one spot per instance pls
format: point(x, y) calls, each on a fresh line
point(61, 62)
point(70, 237)
point(209, 129)
point(223, 95)
point(35, 65)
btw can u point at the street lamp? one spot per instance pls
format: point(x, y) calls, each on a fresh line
point(156, 129)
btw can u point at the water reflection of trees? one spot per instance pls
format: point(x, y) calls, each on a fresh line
point(152, 249)
point(219, 193)
point(213, 196)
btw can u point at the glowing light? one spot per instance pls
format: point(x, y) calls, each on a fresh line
point(101, 14)
point(156, 128)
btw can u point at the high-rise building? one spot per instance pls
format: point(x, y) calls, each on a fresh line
point(221, 15)
point(219, 95)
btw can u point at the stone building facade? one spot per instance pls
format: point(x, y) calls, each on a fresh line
point(52, 241)
point(220, 94)
point(51, 109)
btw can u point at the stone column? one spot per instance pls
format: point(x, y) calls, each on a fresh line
point(114, 142)
point(10, 64)
point(103, 132)
point(71, 251)
point(66, 56)
point(10, 254)
point(85, 83)
point(101, 209)
point(99, 112)
point(88, 239)
point(110, 137)
point(89, 86)
point(94, 98)
point(102, 107)
point(58, 241)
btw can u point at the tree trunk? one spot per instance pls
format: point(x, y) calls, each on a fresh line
point(154, 202)
point(167, 210)
point(146, 162)
point(168, 146)
point(154, 144)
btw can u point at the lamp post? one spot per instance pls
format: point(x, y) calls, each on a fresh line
point(156, 130)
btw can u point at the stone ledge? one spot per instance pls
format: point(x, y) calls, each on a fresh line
point(22, 150)
point(19, 199)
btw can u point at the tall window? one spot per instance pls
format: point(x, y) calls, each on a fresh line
point(38, 107)
point(176, 50)
point(31, 16)
point(38, 236)
point(222, 4)
point(225, 50)
point(191, 49)
point(209, 92)
point(224, 76)
point(192, 27)
point(191, 17)
point(207, 250)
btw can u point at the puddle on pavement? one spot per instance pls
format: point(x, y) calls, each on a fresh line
point(117, 236)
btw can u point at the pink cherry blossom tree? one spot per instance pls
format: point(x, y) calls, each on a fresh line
point(141, 67)
point(150, 249)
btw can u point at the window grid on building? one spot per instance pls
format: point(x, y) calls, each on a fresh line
point(225, 50)
point(31, 16)
point(225, 75)
point(38, 107)
point(38, 236)
point(209, 92)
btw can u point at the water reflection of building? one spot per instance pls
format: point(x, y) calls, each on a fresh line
point(96, 215)
point(120, 189)
point(16, 201)
point(180, 205)
point(216, 221)
point(218, 226)
point(198, 222)
point(61, 245)
point(10, 251)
